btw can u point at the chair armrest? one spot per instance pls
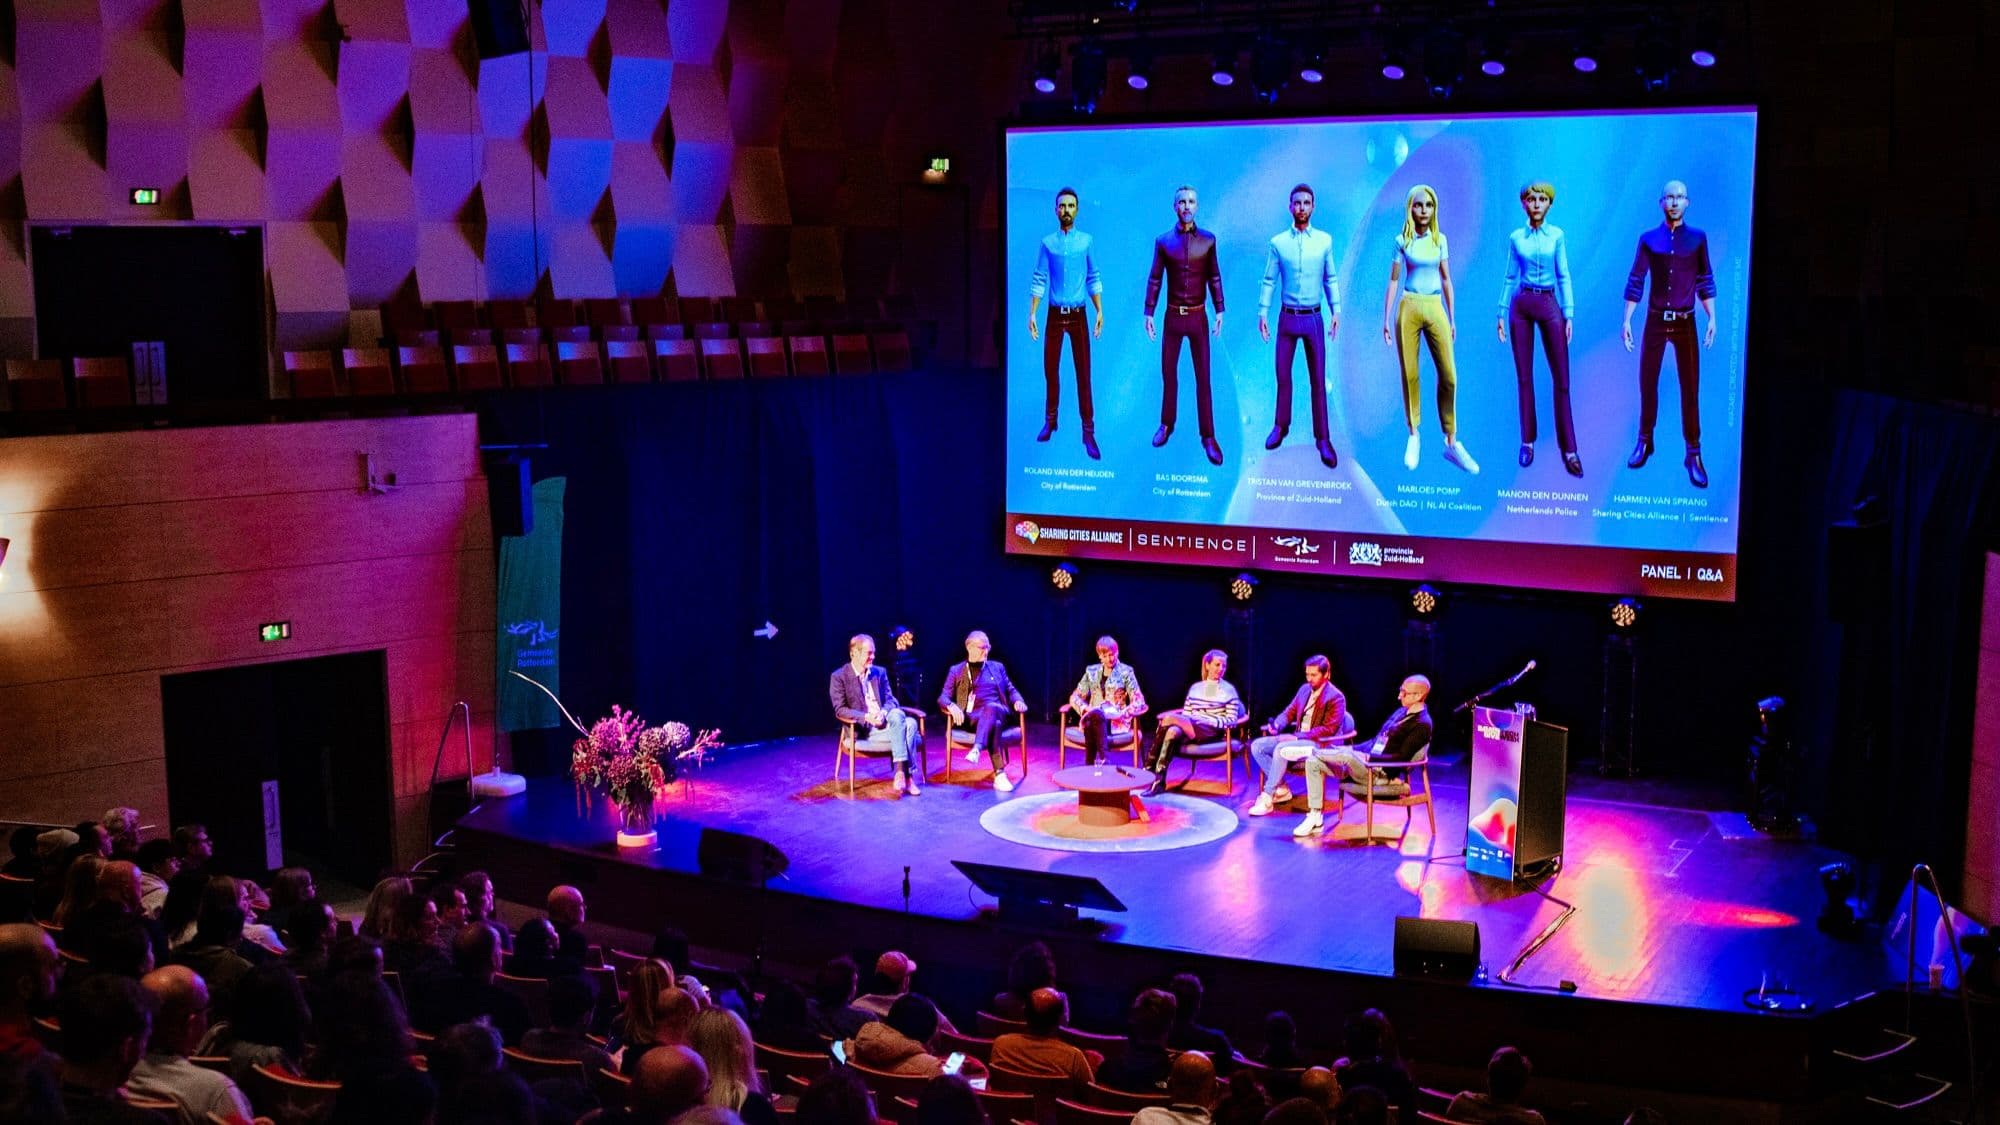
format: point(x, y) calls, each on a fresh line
point(1412, 764)
point(1065, 709)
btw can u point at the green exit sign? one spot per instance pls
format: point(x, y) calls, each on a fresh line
point(940, 164)
point(146, 196)
point(274, 631)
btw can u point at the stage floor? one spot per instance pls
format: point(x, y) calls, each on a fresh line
point(1673, 907)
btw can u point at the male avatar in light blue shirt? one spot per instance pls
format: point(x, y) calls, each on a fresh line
point(1065, 273)
point(1299, 269)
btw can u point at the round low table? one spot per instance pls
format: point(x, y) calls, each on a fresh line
point(1103, 792)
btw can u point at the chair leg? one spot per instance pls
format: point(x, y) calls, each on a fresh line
point(1430, 811)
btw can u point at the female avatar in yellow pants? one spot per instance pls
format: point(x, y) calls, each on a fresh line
point(1420, 274)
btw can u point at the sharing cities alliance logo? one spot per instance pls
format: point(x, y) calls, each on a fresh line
point(1029, 530)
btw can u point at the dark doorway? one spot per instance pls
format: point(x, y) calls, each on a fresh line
point(318, 728)
point(199, 289)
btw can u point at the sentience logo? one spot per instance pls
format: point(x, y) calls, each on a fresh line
point(1364, 554)
point(1029, 530)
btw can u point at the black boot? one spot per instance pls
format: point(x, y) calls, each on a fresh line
point(1640, 452)
point(1048, 427)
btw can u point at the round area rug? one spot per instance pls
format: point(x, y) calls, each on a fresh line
point(1048, 820)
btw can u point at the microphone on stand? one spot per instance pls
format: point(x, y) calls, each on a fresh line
point(1529, 667)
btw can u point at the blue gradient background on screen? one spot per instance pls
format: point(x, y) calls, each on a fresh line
point(1608, 169)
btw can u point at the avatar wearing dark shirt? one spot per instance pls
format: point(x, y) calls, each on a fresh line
point(1185, 260)
point(1675, 256)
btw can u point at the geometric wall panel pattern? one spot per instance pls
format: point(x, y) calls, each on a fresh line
point(699, 147)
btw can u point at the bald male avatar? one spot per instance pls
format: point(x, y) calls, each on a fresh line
point(1188, 268)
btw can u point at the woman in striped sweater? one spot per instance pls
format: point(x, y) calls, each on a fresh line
point(1211, 707)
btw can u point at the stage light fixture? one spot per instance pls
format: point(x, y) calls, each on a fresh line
point(1223, 73)
point(1139, 74)
point(1425, 600)
point(1654, 60)
point(1086, 76)
point(1396, 56)
point(1270, 67)
point(1312, 68)
point(1624, 614)
point(1583, 54)
point(1493, 56)
point(1048, 64)
point(1063, 577)
point(1444, 62)
point(1707, 30)
point(1243, 587)
point(903, 637)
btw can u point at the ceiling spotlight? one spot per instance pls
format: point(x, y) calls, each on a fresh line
point(1583, 53)
point(1063, 576)
point(1706, 32)
point(1624, 614)
point(1086, 76)
point(1444, 62)
point(1312, 68)
point(1048, 64)
point(1493, 57)
point(1425, 600)
point(1139, 74)
point(1396, 56)
point(1270, 67)
point(1224, 71)
point(1243, 586)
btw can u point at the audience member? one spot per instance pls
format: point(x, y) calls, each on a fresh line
point(838, 1097)
point(672, 1014)
point(1372, 1059)
point(667, 1082)
point(1032, 967)
point(890, 980)
point(79, 889)
point(1190, 1092)
point(411, 947)
point(180, 1021)
point(360, 1029)
point(121, 825)
point(157, 866)
point(1319, 1086)
point(269, 1026)
point(1144, 1066)
point(310, 930)
point(22, 861)
point(52, 858)
point(1242, 1101)
point(1188, 1033)
point(464, 1051)
point(1506, 1080)
point(468, 992)
point(400, 1096)
point(449, 898)
point(193, 847)
point(833, 1012)
point(1040, 1050)
point(784, 1019)
point(29, 1092)
point(289, 887)
point(566, 910)
point(182, 904)
point(571, 1004)
point(1281, 1042)
point(650, 980)
point(117, 905)
point(474, 1087)
point(535, 953)
point(901, 1041)
point(671, 945)
point(29, 969)
point(1296, 1111)
point(949, 1099)
point(120, 945)
point(91, 839)
point(1362, 1105)
point(378, 914)
point(479, 906)
point(215, 949)
point(106, 1021)
point(722, 1040)
point(256, 931)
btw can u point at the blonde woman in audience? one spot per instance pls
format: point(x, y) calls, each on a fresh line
point(378, 917)
point(722, 1040)
point(639, 1023)
point(79, 888)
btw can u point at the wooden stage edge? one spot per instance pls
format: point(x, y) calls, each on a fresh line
point(1676, 918)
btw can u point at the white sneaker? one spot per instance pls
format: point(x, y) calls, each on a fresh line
point(1282, 796)
point(1410, 448)
point(972, 755)
point(1263, 805)
point(1002, 783)
point(1456, 453)
point(1310, 826)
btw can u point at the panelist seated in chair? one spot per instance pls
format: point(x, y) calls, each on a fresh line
point(1106, 700)
point(1406, 733)
point(861, 695)
point(979, 688)
point(1211, 707)
point(1316, 714)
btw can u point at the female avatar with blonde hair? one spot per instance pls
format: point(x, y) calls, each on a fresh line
point(1537, 295)
point(1426, 310)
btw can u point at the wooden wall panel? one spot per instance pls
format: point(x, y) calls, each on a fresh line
point(143, 554)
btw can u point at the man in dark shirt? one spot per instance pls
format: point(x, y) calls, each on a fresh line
point(1186, 260)
point(979, 687)
point(1406, 732)
point(570, 1004)
point(1143, 1068)
point(1188, 1034)
point(1675, 256)
point(469, 991)
point(106, 1021)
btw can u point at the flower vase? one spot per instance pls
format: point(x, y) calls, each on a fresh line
point(638, 829)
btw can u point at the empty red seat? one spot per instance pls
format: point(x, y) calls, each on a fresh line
point(808, 354)
point(553, 312)
point(655, 310)
point(712, 330)
point(628, 361)
point(666, 332)
point(578, 363)
point(507, 313)
point(700, 310)
point(312, 374)
point(528, 366)
point(404, 316)
point(892, 351)
point(103, 382)
point(722, 359)
point(619, 332)
point(477, 366)
point(455, 316)
point(37, 384)
point(680, 360)
point(766, 356)
point(368, 371)
point(603, 311)
point(424, 371)
point(850, 355)
point(418, 338)
point(574, 334)
point(516, 336)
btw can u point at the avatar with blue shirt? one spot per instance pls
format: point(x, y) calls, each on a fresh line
point(1066, 273)
point(1537, 294)
point(1428, 312)
point(1298, 270)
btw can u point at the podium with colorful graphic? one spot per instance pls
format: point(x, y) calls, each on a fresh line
point(1517, 798)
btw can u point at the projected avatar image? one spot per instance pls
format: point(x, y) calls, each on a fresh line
point(1186, 263)
point(1298, 270)
point(1426, 311)
point(1675, 256)
point(1066, 273)
point(1537, 295)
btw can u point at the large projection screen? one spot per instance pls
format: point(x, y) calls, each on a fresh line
point(1650, 219)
